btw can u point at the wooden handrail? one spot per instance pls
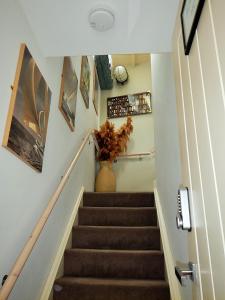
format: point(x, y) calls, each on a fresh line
point(26, 251)
point(133, 155)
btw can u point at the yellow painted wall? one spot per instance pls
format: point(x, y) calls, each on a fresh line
point(134, 174)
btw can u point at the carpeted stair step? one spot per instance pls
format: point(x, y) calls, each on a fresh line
point(124, 238)
point(142, 264)
point(116, 251)
point(72, 288)
point(118, 199)
point(117, 216)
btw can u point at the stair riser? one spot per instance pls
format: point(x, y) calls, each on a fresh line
point(116, 238)
point(85, 292)
point(118, 199)
point(117, 217)
point(114, 265)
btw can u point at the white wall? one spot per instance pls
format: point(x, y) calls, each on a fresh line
point(168, 174)
point(25, 193)
point(200, 82)
point(134, 175)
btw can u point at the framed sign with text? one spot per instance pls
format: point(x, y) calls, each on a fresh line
point(129, 105)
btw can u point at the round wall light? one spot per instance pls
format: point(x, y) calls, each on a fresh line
point(120, 73)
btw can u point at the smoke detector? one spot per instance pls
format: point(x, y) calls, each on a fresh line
point(101, 18)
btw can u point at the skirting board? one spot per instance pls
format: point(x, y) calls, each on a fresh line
point(173, 282)
point(53, 272)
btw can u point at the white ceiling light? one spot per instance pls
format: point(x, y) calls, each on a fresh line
point(101, 18)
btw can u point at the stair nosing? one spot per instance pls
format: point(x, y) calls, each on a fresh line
point(114, 251)
point(119, 207)
point(118, 193)
point(115, 227)
point(123, 281)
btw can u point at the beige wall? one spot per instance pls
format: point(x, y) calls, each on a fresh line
point(200, 81)
point(135, 174)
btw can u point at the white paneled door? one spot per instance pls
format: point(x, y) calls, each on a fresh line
point(200, 81)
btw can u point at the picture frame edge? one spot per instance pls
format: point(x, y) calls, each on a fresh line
point(80, 85)
point(85, 103)
point(13, 96)
point(60, 101)
point(94, 79)
point(188, 45)
point(23, 160)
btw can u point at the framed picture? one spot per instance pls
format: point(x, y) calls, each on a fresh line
point(85, 80)
point(129, 105)
point(27, 120)
point(96, 90)
point(190, 15)
point(68, 93)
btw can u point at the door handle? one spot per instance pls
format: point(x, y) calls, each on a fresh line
point(188, 272)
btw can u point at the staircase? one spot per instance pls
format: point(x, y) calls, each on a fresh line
point(115, 251)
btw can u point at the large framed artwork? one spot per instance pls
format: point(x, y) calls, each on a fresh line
point(190, 15)
point(129, 105)
point(85, 80)
point(27, 120)
point(96, 90)
point(68, 93)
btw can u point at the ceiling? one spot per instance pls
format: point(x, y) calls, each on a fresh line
point(61, 26)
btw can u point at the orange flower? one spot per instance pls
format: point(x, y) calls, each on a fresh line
point(112, 142)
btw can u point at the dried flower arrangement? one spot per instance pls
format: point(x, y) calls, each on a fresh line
point(112, 142)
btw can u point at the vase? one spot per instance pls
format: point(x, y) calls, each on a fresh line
point(105, 179)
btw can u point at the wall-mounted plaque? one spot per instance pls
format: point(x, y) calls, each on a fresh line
point(129, 105)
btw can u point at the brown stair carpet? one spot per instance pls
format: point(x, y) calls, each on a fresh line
point(116, 237)
point(115, 251)
point(117, 216)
